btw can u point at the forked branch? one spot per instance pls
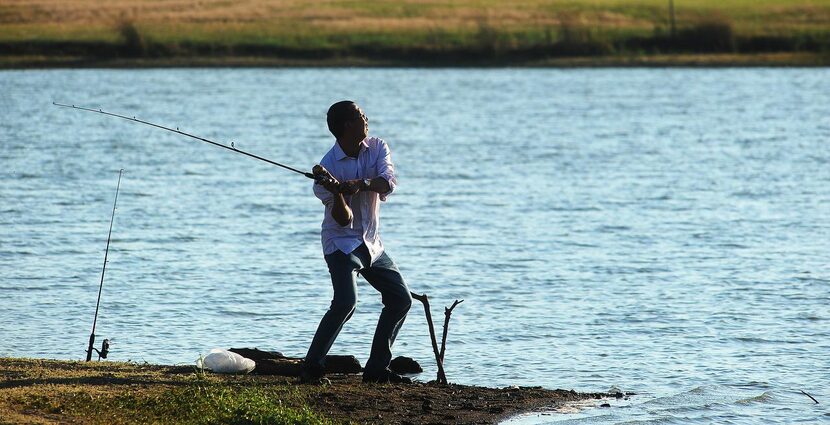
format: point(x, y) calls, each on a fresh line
point(439, 354)
point(447, 313)
point(442, 378)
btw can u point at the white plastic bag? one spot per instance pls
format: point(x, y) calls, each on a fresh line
point(224, 361)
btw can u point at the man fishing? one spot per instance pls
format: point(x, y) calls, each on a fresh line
point(352, 178)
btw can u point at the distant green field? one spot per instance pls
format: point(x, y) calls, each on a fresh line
point(364, 28)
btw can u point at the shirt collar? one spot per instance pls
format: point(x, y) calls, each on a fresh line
point(338, 151)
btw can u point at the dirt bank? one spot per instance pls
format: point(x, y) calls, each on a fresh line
point(53, 391)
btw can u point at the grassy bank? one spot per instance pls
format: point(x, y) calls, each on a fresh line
point(45, 391)
point(52, 391)
point(401, 32)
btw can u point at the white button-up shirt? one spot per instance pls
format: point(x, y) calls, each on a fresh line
point(374, 160)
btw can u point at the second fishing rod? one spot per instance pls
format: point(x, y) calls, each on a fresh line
point(320, 178)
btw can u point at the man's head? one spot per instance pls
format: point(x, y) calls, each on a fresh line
point(347, 122)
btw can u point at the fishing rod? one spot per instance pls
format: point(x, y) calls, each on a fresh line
point(231, 148)
point(105, 345)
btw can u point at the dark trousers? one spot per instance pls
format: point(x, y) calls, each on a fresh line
point(384, 276)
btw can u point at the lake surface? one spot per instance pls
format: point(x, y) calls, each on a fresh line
point(659, 231)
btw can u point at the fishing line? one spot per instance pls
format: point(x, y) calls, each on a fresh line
point(231, 148)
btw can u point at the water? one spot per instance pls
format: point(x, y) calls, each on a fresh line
point(657, 231)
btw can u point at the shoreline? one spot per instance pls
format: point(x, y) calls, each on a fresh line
point(712, 60)
point(58, 391)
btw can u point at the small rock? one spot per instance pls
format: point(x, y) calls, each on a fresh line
point(604, 405)
point(342, 364)
point(405, 365)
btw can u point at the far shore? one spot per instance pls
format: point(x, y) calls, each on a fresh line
point(712, 60)
point(414, 33)
point(57, 391)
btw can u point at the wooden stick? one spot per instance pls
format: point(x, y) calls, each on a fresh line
point(808, 395)
point(447, 313)
point(442, 378)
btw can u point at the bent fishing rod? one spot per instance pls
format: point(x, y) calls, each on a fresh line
point(105, 345)
point(231, 148)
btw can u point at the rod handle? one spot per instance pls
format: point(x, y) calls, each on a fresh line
point(89, 349)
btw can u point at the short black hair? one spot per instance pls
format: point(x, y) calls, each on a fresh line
point(339, 114)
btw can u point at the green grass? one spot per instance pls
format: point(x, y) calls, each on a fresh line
point(208, 403)
point(525, 29)
point(105, 393)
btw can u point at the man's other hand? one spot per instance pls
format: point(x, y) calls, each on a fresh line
point(350, 187)
point(325, 179)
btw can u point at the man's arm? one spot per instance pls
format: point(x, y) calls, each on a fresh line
point(385, 181)
point(340, 211)
point(385, 169)
point(377, 184)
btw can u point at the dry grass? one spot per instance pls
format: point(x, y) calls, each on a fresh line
point(88, 19)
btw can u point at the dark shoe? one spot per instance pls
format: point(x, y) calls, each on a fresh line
point(311, 375)
point(385, 377)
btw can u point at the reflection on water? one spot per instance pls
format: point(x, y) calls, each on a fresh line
point(661, 231)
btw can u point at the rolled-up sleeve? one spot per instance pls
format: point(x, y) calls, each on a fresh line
point(323, 194)
point(385, 168)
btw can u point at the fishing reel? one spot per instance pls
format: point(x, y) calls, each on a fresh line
point(102, 353)
point(321, 175)
point(105, 349)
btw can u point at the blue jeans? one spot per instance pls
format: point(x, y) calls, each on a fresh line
point(384, 276)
